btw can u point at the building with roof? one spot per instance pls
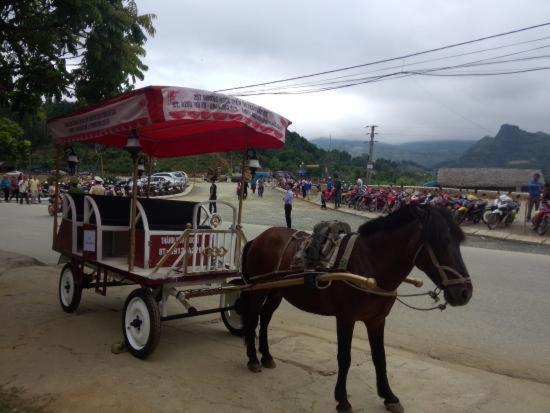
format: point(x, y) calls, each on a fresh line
point(486, 178)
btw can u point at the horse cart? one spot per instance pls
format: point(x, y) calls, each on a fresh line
point(166, 248)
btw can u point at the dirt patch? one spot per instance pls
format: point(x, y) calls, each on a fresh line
point(14, 400)
point(10, 260)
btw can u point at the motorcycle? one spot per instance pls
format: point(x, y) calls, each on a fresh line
point(51, 204)
point(541, 220)
point(503, 210)
point(470, 211)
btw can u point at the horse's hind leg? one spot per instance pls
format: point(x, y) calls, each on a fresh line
point(269, 307)
point(376, 340)
point(252, 304)
point(344, 329)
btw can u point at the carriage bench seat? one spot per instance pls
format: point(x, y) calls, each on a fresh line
point(166, 215)
point(78, 200)
point(159, 224)
point(113, 210)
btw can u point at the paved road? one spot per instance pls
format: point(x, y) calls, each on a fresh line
point(504, 328)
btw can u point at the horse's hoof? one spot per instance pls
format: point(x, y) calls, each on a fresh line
point(344, 406)
point(118, 348)
point(254, 367)
point(395, 407)
point(269, 363)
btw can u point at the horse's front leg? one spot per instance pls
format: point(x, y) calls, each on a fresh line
point(376, 340)
point(344, 330)
point(252, 303)
point(269, 307)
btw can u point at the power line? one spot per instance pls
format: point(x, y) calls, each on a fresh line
point(376, 78)
point(336, 78)
point(391, 59)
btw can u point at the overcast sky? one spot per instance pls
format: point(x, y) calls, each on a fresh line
point(215, 45)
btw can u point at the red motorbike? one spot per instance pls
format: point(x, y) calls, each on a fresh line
point(541, 221)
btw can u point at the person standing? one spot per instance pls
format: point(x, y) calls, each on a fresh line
point(337, 192)
point(6, 185)
point(308, 185)
point(24, 190)
point(303, 186)
point(534, 188)
point(34, 186)
point(287, 199)
point(253, 182)
point(213, 196)
point(14, 189)
point(261, 187)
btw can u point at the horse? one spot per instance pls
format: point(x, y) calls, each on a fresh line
point(387, 249)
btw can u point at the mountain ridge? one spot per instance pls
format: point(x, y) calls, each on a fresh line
point(426, 153)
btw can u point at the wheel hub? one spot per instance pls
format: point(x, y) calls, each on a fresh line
point(136, 323)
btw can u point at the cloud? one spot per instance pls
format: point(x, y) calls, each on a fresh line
point(217, 44)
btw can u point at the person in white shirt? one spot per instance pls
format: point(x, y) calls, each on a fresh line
point(23, 189)
point(97, 188)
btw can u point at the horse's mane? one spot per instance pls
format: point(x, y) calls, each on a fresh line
point(435, 220)
point(395, 220)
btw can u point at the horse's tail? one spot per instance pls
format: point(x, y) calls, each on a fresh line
point(244, 269)
point(244, 300)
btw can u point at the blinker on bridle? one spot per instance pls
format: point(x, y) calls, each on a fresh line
point(441, 269)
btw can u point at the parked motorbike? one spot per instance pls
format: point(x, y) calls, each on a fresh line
point(541, 220)
point(470, 210)
point(503, 210)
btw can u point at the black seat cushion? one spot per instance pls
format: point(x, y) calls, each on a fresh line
point(79, 205)
point(114, 210)
point(167, 215)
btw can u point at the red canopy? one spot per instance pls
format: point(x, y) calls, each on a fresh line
point(173, 121)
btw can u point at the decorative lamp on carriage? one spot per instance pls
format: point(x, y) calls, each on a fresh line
point(133, 147)
point(72, 160)
point(253, 162)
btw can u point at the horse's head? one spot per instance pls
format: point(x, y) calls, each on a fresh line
point(439, 254)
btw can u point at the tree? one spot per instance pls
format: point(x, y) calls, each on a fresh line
point(12, 146)
point(42, 40)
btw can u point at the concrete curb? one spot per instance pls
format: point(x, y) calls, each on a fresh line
point(472, 231)
point(185, 192)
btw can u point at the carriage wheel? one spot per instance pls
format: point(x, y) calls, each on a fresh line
point(231, 318)
point(69, 289)
point(141, 323)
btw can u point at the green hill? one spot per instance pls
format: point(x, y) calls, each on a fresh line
point(425, 153)
point(512, 147)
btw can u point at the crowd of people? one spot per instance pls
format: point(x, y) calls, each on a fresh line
point(22, 188)
point(256, 184)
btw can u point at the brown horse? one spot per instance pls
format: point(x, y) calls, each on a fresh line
point(387, 249)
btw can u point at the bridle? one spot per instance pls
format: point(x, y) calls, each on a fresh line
point(443, 270)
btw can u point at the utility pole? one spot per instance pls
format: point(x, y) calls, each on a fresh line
point(371, 142)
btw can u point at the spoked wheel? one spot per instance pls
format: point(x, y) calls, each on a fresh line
point(485, 216)
point(70, 288)
point(141, 323)
point(231, 318)
point(493, 221)
point(543, 226)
